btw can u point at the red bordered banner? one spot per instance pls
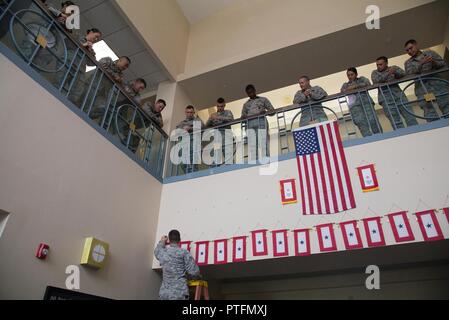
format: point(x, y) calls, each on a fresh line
point(326, 237)
point(202, 253)
point(221, 251)
point(239, 249)
point(429, 225)
point(368, 178)
point(351, 235)
point(401, 227)
point(288, 191)
point(186, 245)
point(259, 241)
point(302, 242)
point(280, 243)
point(374, 232)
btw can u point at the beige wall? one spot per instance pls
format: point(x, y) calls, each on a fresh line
point(61, 181)
point(254, 27)
point(164, 27)
point(411, 170)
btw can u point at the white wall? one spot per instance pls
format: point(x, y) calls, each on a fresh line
point(413, 176)
point(61, 181)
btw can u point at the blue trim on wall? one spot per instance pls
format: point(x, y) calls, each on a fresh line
point(292, 155)
point(19, 62)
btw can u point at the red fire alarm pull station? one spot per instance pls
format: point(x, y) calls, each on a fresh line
point(42, 251)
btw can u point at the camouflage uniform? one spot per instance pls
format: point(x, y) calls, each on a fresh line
point(317, 113)
point(221, 118)
point(414, 67)
point(177, 263)
point(105, 88)
point(81, 85)
point(189, 123)
point(149, 111)
point(128, 87)
point(251, 108)
point(390, 97)
point(188, 168)
point(361, 106)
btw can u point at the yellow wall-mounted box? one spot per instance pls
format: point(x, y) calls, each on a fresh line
point(95, 253)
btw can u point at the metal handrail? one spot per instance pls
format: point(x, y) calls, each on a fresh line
point(94, 61)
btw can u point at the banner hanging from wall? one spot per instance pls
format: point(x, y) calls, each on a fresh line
point(368, 178)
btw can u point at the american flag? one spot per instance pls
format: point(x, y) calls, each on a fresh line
point(323, 171)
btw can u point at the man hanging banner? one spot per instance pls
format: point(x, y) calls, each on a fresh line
point(368, 178)
point(326, 237)
point(221, 251)
point(323, 171)
point(288, 191)
point(280, 243)
point(302, 242)
point(401, 227)
point(351, 235)
point(259, 240)
point(202, 253)
point(429, 226)
point(239, 249)
point(374, 232)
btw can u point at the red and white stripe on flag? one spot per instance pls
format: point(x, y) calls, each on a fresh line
point(280, 243)
point(323, 170)
point(326, 237)
point(239, 249)
point(374, 232)
point(351, 235)
point(259, 240)
point(186, 245)
point(221, 251)
point(368, 178)
point(302, 242)
point(202, 253)
point(429, 225)
point(446, 213)
point(401, 227)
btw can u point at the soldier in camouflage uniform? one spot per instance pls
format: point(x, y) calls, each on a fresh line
point(257, 106)
point(155, 111)
point(115, 70)
point(361, 105)
point(422, 62)
point(308, 94)
point(177, 264)
point(220, 118)
point(390, 97)
point(134, 87)
point(187, 125)
point(81, 84)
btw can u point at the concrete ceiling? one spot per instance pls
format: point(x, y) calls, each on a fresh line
point(123, 40)
point(321, 56)
point(196, 10)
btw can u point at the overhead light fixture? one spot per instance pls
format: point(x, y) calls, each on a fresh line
point(102, 50)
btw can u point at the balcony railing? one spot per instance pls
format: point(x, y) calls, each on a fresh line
point(411, 101)
point(30, 31)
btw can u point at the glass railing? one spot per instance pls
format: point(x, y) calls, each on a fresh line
point(375, 110)
point(30, 31)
